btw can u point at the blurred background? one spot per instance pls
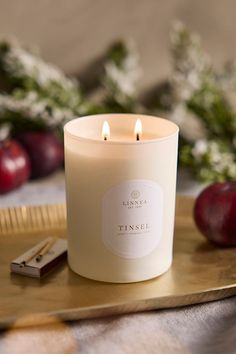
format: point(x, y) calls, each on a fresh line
point(63, 59)
point(73, 33)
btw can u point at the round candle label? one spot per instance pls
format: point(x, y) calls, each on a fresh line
point(132, 218)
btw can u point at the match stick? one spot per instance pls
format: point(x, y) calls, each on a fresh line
point(34, 254)
point(45, 249)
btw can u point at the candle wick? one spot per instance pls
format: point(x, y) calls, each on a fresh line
point(105, 137)
point(137, 137)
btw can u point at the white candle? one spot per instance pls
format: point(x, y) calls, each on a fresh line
point(120, 189)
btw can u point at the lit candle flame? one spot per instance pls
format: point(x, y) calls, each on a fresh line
point(105, 131)
point(138, 129)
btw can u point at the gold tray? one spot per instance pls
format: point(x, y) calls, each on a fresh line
point(200, 273)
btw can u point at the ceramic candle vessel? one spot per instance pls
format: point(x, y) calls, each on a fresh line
point(120, 196)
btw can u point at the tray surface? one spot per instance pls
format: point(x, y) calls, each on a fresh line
point(200, 272)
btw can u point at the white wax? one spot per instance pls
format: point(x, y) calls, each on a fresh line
point(98, 174)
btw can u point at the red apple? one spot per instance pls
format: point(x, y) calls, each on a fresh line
point(45, 151)
point(215, 213)
point(14, 165)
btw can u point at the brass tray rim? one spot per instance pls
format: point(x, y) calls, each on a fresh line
point(116, 309)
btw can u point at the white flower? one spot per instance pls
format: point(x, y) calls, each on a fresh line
point(35, 108)
point(4, 131)
point(191, 127)
point(220, 161)
point(23, 63)
point(200, 148)
point(124, 77)
point(191, 64)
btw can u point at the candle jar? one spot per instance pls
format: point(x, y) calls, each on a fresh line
point(120, 197)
